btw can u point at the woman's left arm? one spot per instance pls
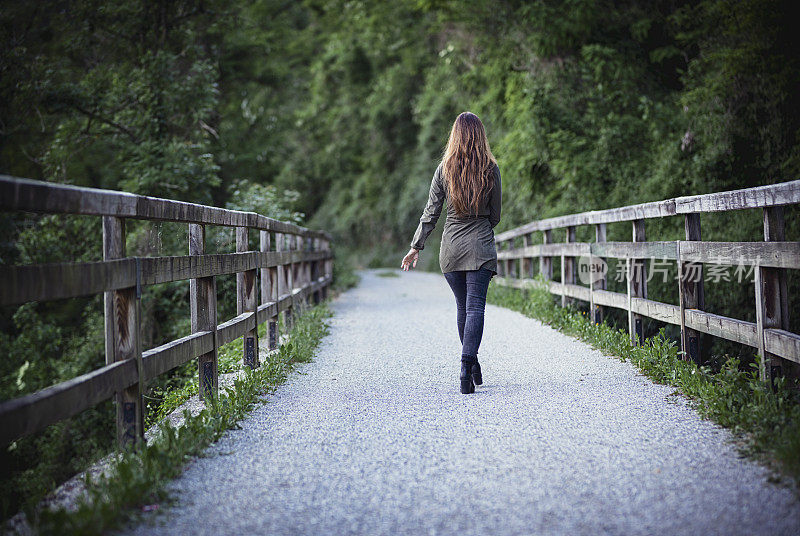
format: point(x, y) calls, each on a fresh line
point(427, 221)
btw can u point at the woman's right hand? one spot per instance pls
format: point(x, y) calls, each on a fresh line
point(410, 260)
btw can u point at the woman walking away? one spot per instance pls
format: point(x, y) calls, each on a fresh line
point(469, 179)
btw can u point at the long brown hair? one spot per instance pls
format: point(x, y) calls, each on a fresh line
point(467, 164)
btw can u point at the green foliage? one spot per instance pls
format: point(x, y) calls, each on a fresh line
point(734, 397)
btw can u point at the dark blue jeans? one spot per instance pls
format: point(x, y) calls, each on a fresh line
point(469, 288)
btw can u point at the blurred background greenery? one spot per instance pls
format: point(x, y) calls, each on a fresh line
point(334, 113)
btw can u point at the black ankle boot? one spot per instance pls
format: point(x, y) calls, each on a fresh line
point(477, 378)
point(467, 385)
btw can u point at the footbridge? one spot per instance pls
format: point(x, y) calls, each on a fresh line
point(374, 437)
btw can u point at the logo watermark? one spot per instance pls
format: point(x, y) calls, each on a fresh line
point(591, 269)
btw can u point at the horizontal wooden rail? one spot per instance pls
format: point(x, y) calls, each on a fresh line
point(298, 270)
point(53, 198)
point(769, 254)
point(787, 193)
point(768, 260)
point(40, 282)
point(33, 412)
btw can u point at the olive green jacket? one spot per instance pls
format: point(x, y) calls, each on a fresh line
point(467, 241)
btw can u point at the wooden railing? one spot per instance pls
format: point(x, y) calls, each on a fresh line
point(769, 334)
point(295, 265)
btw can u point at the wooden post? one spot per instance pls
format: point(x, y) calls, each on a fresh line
point(282, 271)
point(315, 270)
point(269, 292)
point(327, 268)
point(500, 263)
point(309, 264)
point(246, 301)
point(203, 306)
point(526, 268)
point(637, 285)
point(508, 245)
point(690, 292)
point(288, 314)
point(597, 311)
point(567, 268)
point(545, 262)
point(772, 303)
point(300, 277)
point(122, 318)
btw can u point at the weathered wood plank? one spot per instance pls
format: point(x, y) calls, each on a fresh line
point(636, 250)
point(721, 326)
point(782, 343)
point(41, 282)
point(514, 282)
point(769, 302)
point(53, 198)
point(785, 193)
point(269, 293)
point(123, 341)
point(655, 209)
point(545, 262)
point(775, 231)
point(762, 196)
point(769, 254)
point(166, 357)
point(247, 300)
point(32, 413)
point(569, 290)
point(637, 285)
point(690, 289)
point(664, 312)
point(573, 249)
point(235, 328)
point(568, 266)
point(611, 299)
point(526, 262)
point(203, 307)
point(596, 311)
point(266, 312)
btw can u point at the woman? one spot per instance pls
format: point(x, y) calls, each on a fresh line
point(469, 179)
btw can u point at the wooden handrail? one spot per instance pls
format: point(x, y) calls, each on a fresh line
point(785, 193)
point(769, 259)
point(52, 198)
point(298, 270)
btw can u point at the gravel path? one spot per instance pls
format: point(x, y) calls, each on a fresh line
point(375, 438)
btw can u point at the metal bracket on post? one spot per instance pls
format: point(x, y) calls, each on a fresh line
point(208, 380)
point(129, 422)
point(273, 335)
point(250, 352)
point(138, 277)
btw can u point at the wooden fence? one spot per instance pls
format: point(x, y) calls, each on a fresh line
point(770, 259)
point(295, 265)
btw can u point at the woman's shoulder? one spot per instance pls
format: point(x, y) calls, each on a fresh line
point(439, 173)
